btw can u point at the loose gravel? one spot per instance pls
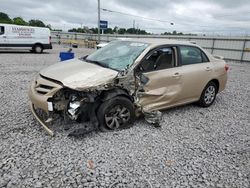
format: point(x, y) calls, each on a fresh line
point(195, 147)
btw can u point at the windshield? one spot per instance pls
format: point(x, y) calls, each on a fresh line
point(118, 54)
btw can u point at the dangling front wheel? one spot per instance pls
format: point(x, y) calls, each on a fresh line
point(116, 113)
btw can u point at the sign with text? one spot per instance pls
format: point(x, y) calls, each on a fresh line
point(103, 24)
point(22, 32)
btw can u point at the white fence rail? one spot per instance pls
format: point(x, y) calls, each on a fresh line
point(231, 48)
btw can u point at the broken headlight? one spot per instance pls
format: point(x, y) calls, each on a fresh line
point(74, 107)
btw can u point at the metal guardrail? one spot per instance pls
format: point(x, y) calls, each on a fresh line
point(231, 48)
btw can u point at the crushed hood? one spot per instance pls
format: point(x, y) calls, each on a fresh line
point(78, 74)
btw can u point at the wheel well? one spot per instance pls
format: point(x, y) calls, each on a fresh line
point(38, 44)
point(216, 83)
point(106, 95)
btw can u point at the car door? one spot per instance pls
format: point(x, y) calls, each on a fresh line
point(163, 84)
point(3, 36)
point(195, 70)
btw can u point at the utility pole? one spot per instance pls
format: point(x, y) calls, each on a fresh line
point(98, 21)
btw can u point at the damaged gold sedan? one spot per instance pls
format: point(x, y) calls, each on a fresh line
point(125, 79)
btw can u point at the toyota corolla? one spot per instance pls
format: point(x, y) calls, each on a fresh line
point(126, 79)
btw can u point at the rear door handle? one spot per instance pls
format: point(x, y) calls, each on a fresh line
point(208, 69)
point(176, 75)
point(4, 37)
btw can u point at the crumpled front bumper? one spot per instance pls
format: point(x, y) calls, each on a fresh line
point(39, 119)
point(39, 100)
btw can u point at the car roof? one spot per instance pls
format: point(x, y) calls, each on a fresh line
point(159, 41)
point(26, 26)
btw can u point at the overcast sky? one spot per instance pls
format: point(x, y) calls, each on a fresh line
point(189, 16)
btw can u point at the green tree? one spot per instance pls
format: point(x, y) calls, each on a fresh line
point(49, 26)
point(136, 31)
point(115, 30)
point(36, 23)
point(131, 31)
point(19, 21)
point(108, 31)
point(58, 30)
point(166, 33)
point(4, 18)
point(72, 30)
point(80, 30)
point(122, 31)
point(143, 32)
point(85, 29)
point(94, 30)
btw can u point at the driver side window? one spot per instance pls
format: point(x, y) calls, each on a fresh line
point(162, 58)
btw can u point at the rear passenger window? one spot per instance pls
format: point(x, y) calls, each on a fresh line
point(192, 55)
point(1, 30)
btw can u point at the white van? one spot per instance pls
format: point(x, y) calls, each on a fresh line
point(36, 39)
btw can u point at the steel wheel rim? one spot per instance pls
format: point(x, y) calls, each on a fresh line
point(38, 49)
point(117, 116)
point(209, 94)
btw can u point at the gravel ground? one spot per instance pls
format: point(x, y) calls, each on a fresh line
point(196, 147)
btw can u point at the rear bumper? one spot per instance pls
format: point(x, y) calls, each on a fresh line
point(47, 46)
point(222, 82)
point(49, 131)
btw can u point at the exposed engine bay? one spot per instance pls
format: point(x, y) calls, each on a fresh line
point(82, 106)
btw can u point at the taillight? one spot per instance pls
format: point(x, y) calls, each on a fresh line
point(49, 39)
point(226, 67)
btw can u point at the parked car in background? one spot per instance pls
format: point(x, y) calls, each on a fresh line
point(127, 78)
point(36, 39)
point(101, 45)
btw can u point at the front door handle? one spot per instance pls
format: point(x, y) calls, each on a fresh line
point(4, 37)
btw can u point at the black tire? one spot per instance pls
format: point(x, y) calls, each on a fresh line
point(38, 48)
point(111, 108)
point(208, 95)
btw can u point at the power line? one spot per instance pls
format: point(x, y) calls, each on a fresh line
point(145, 18)
point(154, 19)
point(151, 19)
